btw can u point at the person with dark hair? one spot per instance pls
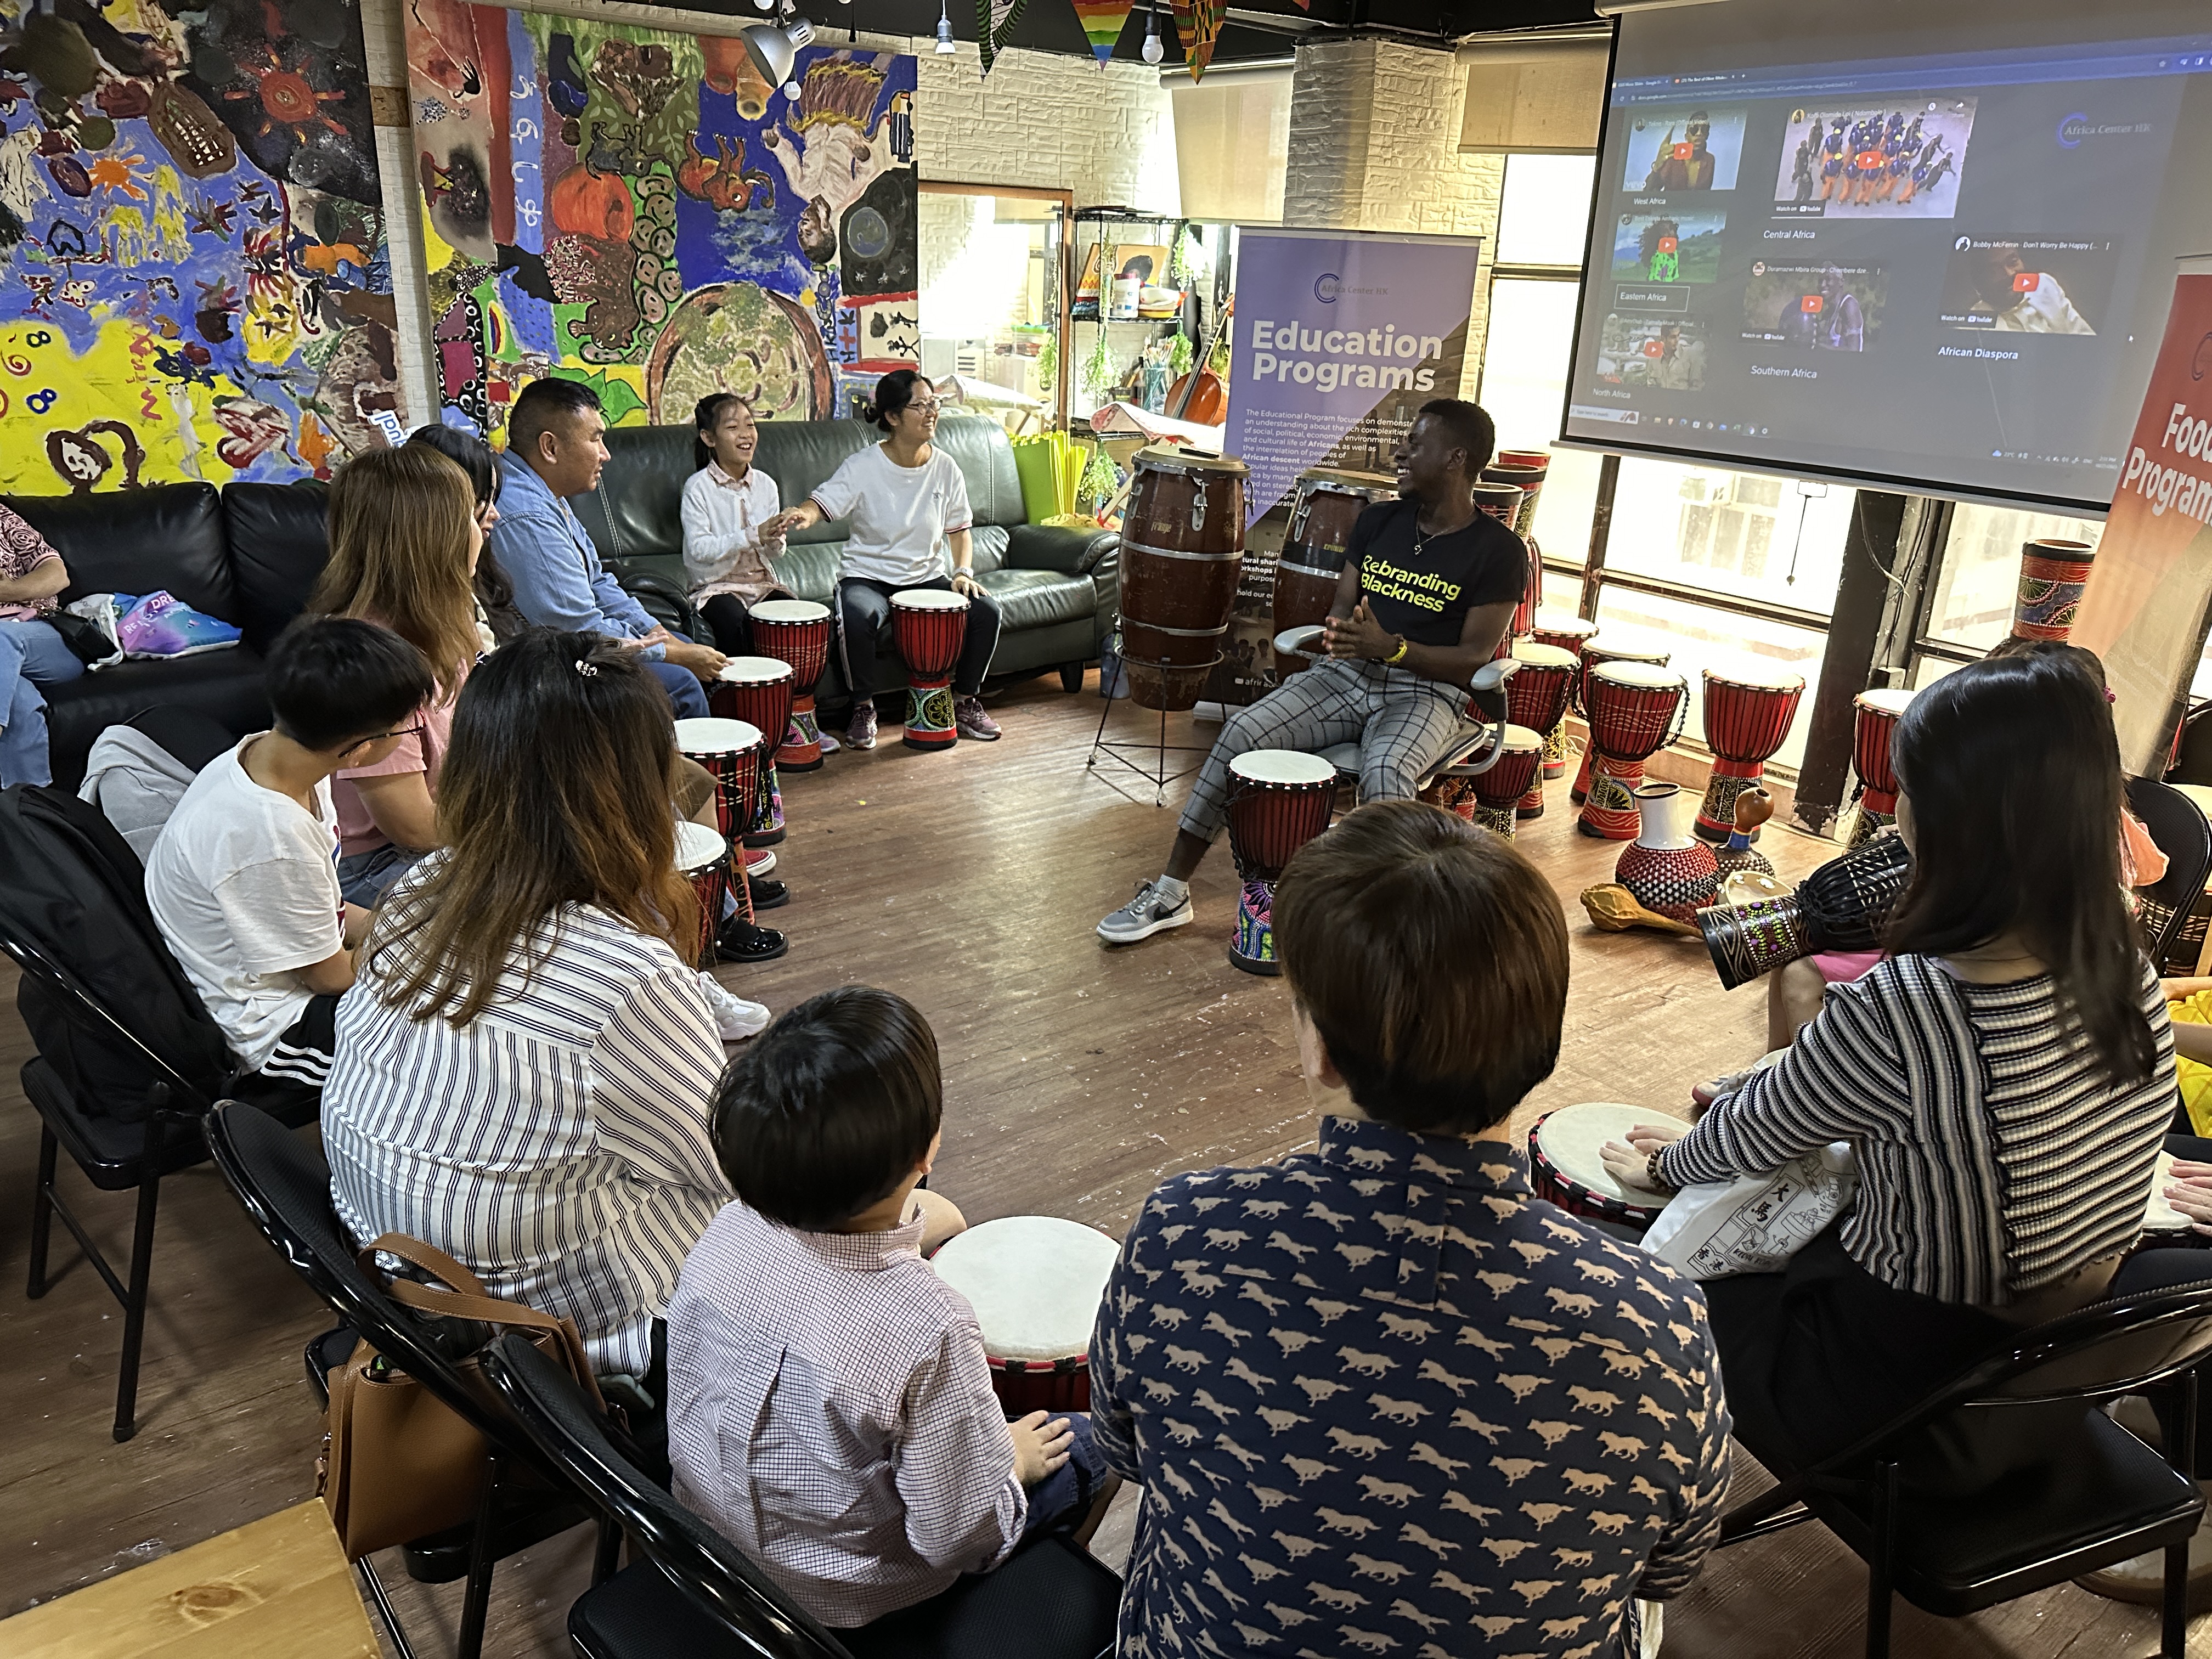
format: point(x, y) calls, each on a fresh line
point(525, 1070)
point(243, 878)
point(1390, 1334)
point(829, 1404)
point(1427, 592)
point(907, 503)
point(557, 448)
point(2005, 1078)
point(497, 620)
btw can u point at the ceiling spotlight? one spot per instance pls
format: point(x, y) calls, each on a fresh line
point(763, 5)
point(774, 49)
point(945, 44)
point(791, 90)
point(1154, 51)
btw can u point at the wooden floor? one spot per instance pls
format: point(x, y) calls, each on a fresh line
point(1076, 1078)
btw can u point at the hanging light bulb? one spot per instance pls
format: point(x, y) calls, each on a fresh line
point(791, 90)
point(945, 44)
point(1154, 51)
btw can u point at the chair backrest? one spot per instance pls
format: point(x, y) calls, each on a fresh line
point(706, 1566)
point(285, 1186)
point(2176, 824)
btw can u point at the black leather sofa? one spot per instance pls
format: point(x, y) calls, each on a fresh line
point(1057, 588)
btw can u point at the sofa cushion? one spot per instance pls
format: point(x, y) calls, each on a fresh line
point(138, 541)
point(1038, 599)
point(987, 462)
point(279, 543)
point(225, 686)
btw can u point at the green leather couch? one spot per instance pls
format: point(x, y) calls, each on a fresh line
point(1057, 589)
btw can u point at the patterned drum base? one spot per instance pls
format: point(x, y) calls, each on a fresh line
point(1454, 795)
point(929, 720)
point(1716, 816)
point(1578, 791)
point(1498, 819)
point(1253, 948)
point(766, 828)
point(1866, 823)
point(805, 755)
point(1555, 750)
point(1609, 812)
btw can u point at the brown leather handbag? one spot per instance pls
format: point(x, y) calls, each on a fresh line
point(397, 1462)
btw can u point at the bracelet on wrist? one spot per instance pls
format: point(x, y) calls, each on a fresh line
point(1652, 1178)
point(1399, 655)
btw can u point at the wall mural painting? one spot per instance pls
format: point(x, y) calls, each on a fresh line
point(193, 278)
point(641, 211)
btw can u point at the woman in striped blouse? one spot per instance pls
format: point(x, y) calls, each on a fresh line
point(525, 1070)
point(2005, 1078)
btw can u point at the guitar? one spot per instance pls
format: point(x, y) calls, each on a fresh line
point(1202, 395)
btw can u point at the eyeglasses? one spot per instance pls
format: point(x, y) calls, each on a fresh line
point(414, 731)
point(924, 406)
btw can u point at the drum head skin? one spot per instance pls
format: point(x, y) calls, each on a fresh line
point(1571, 1136)
point(697, 847)
point(1643, 675)
point(1286, 766)
point(756, 671)
point(1562, 622)
point(1886, 700)
point(929, 599)
point(1531, 655)
point(1358, 483)
point(1168, 458)
point(710, 735)
point(1755, 677)
point(1034, 1282)
point(791, 610)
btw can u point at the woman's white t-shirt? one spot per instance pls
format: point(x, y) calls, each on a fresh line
point(900, 515)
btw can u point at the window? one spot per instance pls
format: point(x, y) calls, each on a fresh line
point(1777, 539)
point(993, 308)
point(1980, 574)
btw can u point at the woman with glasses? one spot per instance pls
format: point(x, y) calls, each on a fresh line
point(906, 504)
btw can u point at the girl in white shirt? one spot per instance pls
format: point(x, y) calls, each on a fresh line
point(906, 501)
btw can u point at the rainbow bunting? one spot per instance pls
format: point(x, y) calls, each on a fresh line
point(1102, 21)
point(1198, 25)
point(994, 21)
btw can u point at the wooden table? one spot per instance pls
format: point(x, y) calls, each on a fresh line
point(274, 1589)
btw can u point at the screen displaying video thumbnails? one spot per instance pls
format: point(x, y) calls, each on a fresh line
point(1662, 247)
point(1667, 354)
point(1815, 305)
point(2029, 285)
point(1897, 161)
point(1684, 150)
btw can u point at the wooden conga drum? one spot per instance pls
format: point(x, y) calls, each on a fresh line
point(1182, 549)
point(1325, 506)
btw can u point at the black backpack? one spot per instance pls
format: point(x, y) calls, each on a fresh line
point(74, 890)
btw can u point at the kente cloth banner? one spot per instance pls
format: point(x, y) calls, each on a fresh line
point(1197, 25)
point(193, 273)
point(2149, 594)
point(1103, 22)
point(639, 211)
point(994, 21)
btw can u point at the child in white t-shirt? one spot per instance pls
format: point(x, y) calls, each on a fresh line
point(906, 500)
point(243, 880)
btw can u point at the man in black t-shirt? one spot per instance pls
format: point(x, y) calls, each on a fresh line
point(1428, 590)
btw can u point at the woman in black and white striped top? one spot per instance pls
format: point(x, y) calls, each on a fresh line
point(2005, 1078)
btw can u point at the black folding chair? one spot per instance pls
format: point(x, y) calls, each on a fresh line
point(696, 1594)
point(285, 1186)
point(1956, 1513)
point(2176, 824)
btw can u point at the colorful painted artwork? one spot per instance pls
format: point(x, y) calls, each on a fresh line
point(193, 278)
point(641, 211)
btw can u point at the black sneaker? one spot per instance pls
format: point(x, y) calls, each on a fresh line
point(767, 894)
point(741, 941)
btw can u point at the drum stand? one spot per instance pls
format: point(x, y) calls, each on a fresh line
point(1119, 753)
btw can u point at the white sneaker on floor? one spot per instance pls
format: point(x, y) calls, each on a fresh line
point(1144, 916)
point(734, 1017)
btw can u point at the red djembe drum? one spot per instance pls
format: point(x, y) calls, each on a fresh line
point(1749, 712)
point(2052, 573)
point(1278, 800)
point(797, 631)
point(1483, 797)
point(1878, 711)
point(758, 691)
point(702, 858)
point(1598, 649)
point(731, 751)
point(931, 623)
point(1568, 633)
point(1537, 698)
point(1636, 709)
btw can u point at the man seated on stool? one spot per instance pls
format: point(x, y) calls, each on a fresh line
point(1428, 590)
point(829, 1406)
point(557, 433)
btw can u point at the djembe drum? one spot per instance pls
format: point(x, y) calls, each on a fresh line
point(1877, 713)
point(2052, 574)
point(1034, 1282)
point(1566, 1166)
point(731, 751)
point(1749, 712)
point(1499, 791)
point(797, 631)
point(758, 691)
point(1842, 906)
point(1598, 649)
point(1636, 709)
point(1325, 506)
point(702, 858)
point(1537, 698)
point(929, 625)
point(1182, 550)
point(1529, 480)
point(1278, 800)
point(1568, 633)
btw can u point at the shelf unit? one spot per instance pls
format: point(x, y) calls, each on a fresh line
point(1209, 248)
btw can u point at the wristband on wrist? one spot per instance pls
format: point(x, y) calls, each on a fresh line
point(1399, 655)
point(1658, 1182)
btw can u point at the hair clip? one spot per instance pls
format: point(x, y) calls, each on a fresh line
point(2110, 696)
point(587, 668)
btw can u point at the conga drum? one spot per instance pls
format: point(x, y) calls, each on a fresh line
point(758, 691)
point(1566, 1168)
point(1182, 549)
point(1325, 506)
point(702, 858)
point(797, 631)
point(1877, 713)
point(1636, 709)
point(1278, 800)
point(1598, 649)
point(1558, 627)
point(1537, 698)
point(1749, 712)
point(929, 625)
point(1488, 797)
point(1034, 1282)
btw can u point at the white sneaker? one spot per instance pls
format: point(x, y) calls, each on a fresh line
point(1144, 916)
point(734, 1017)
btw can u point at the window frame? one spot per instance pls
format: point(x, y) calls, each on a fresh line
point(1065, 238)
